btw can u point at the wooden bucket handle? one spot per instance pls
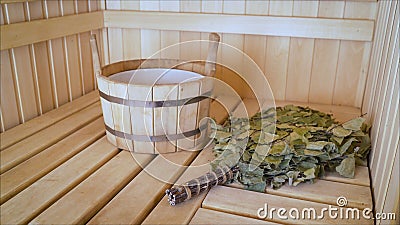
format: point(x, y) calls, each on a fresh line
point(212, 55)
point(95, 55)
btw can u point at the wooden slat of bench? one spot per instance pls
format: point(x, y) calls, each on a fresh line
point(33, 126)
point(206, 216)
point(140, 196)
point(122, 210)
point(246, 203)
point(361, 177)
point(32, 145)
point(96, 191)
point(164, 213)
point(24, 174)
point(33, 200)
point(327, 192)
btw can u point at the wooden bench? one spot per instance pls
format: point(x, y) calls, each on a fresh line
point(59, 169)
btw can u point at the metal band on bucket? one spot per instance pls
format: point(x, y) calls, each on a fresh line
point(157, 138)
point(154, 104)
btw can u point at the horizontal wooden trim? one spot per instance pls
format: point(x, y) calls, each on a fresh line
point(19, 34)
point(15, 1)
point(342, 29)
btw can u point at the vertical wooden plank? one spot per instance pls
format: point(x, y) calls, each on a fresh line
point(57, 58)
point(187, 113)
point(192, 50)
point(167, 115)
point(22, 68)
point(72, 49)
point(381, 101)
point(9, 107)
point(105, 58)
point(233, 59)
point(190, 5)
point(255, 45)
point(353, 59)
point(150, 39)
point(87, 65)
point(391, 203)
point(388, 120)
point(141, 118)
point(277, 54)
point(115, 42)
point(131, 45)
point(377, 54)
point(229, 56)
point(65, 46)
point(379, 89)
point(51, 10)
point(362, 10)
point(92, 7)
point(209, 7)
point(42, 63)
point(107, 110)
point(121, 114)
point(325, 58)
point(169, 38)
point(300, 56)
point(348, 73)
point(257, 7)
point(32, 55)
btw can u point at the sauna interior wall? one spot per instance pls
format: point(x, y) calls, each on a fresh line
point(298, 69)
point(381, 102)
point(42, 75)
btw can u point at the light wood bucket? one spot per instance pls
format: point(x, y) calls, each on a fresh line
point(156, 105)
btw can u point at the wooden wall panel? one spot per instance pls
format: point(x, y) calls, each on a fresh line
point(39, 77)
point(298, 69)
point(381, 102)
point(353, 59)
point(22, 67)
point(326, 53)
point(131, 38)
point(150, 39)
point(277, 57)
point(300, 56)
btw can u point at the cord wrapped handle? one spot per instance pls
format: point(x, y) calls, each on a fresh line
point(199, 185)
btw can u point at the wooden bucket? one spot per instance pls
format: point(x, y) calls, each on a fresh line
point(156, 105)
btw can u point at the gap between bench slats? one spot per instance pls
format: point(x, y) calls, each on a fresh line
point(34, 199)
point(26, 173)
point(35, 143)
point(37, 124)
